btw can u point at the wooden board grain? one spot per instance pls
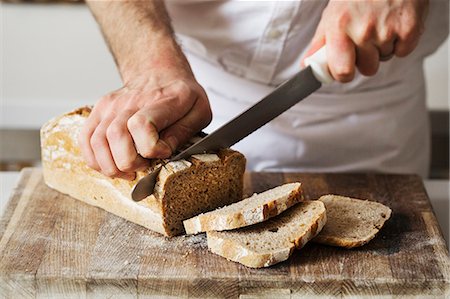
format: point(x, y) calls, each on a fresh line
point(53, 246)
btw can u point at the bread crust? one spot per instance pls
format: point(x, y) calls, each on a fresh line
point(234, 251)
point(65, 170)
point(101, 193)
point(219, 222)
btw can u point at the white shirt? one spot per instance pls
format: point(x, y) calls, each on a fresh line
point(240, 50)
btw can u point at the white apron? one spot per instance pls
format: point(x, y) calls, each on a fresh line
point(239, 51)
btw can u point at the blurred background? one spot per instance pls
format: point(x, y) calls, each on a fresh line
point(54, 59)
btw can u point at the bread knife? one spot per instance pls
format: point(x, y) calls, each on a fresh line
point(281, 99)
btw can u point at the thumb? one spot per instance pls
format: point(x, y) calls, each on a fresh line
point(317, 42)
point(181, 131)
point(147, 122)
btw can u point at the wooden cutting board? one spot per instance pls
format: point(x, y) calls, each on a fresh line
point(53, 246)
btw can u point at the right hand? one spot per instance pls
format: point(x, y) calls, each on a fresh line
point(147, 118)
point(360, 34)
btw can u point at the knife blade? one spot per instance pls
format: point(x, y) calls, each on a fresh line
point(281, 99)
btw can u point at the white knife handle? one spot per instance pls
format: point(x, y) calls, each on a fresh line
point(319, 65)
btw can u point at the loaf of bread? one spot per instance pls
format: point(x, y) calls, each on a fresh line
point(351, 222)
point(252, 210)
point(273, 241)
point(184, 188)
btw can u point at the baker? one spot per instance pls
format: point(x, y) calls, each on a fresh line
point(183, 61)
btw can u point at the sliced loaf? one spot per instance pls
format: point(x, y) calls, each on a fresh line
point(272, 241)
point(184, 188)
point(351, 222)
point(251, 210)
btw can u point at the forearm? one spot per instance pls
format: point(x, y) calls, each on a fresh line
point(139, 36)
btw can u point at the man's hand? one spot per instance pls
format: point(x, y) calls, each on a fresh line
point(147, 118)
point(160, 106)
point(362, 33)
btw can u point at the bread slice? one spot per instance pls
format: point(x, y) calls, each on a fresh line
point(272, 241)
point(351, 222)
point(251, 210)
point(184, 188)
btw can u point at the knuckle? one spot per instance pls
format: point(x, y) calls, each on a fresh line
point(96, 140)
point(183, 91)
point(343, 20)
point(105, 100)
point(410, 29)
point(366, 32)
point(136, 121)
point(114, 131)
point(182, 87)
point(410, 33)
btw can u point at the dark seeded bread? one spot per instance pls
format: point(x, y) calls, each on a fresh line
point(184, 188)
point(351, 222)
point(272, 241)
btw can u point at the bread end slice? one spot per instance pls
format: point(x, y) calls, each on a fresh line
point(272, 241)
point(251, 210)
point(351, 222)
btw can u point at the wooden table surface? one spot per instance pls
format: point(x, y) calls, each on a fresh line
point(53, 246)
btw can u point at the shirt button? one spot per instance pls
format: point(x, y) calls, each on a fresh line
point(274, 34)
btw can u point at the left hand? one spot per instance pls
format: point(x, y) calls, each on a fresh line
point(362, 33)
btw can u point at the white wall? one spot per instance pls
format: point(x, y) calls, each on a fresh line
point(54, 59)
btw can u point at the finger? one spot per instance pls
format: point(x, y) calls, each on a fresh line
point(317, 42)
point(145, 134)
point(386, 39)
point(145, 124)
point(367, 59)
point(121, 145)
point(341, 55)
point(180, 132)
point(404, 46)
point(408, 35)
point(100, 147)
point(84, 141)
